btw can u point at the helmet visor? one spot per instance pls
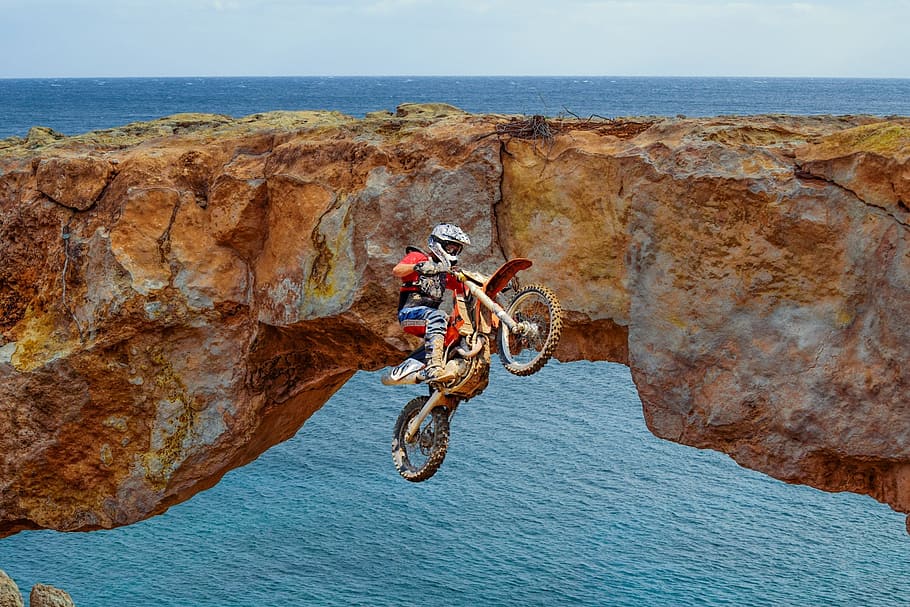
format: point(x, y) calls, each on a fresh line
point(452, 248)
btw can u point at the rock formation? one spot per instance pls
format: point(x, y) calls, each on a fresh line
point(9, 592)
point(43, 595)
point(177, 296)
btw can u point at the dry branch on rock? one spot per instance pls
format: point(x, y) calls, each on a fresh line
point(545, 129)
point(533, 127)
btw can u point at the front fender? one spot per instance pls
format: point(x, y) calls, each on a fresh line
point(504, 274)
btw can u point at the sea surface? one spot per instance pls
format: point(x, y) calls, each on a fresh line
point(553, 491)
point(76, 105)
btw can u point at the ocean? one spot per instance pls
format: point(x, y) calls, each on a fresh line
point(76, 105)
point(553, 491)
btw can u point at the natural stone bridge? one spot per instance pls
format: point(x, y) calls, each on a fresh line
point(178, 296)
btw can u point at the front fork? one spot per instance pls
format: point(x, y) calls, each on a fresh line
point(436, 399)
point(519, 328)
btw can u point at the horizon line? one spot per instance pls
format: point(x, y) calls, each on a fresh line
point(603, 76)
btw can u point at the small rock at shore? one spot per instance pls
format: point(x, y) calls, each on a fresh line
point(9, 592)
point(48, 596)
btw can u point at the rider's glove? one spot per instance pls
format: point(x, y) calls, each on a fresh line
point(428, 268)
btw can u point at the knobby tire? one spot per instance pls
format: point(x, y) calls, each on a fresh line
point(547, 344)
point(434, 435)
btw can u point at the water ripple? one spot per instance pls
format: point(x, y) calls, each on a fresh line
point(547, 497)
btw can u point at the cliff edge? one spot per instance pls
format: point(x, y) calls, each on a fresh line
point(177, 296)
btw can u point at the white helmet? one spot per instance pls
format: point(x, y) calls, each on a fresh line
point(446, 241)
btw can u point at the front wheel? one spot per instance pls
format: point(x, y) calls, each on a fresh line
point(419, 459)
point(539, 316)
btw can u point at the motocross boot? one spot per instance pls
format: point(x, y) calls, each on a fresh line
point(435, 351)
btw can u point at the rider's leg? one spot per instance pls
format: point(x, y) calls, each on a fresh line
point(435, 344)
point(435, 321)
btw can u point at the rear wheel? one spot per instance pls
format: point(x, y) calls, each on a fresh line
point(537, 311)
point(419, 459)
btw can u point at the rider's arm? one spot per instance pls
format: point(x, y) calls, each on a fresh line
point(407, 263)
point(403, 269)
point(428, 268)
point(417, 262)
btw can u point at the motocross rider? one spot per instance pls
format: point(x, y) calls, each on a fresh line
point(424, 281)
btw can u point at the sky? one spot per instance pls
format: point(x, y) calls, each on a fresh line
point(111, 38)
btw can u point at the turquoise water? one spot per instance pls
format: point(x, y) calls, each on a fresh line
point(553, 493)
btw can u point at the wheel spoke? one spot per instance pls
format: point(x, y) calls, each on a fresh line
point(419, 459)
point(532, 310)
point(526, 351)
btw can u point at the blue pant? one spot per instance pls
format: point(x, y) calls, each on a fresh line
point(433, 319)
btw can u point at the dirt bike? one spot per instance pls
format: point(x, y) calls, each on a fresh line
point(526, 327)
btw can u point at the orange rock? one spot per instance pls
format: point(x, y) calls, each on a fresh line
point(179, 296)
point(73, 181)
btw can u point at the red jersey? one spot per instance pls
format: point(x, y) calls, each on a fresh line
point(417, 290)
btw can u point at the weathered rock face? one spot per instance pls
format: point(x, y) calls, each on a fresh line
point(9, 592)
point(43, 595)
point(178, 296)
